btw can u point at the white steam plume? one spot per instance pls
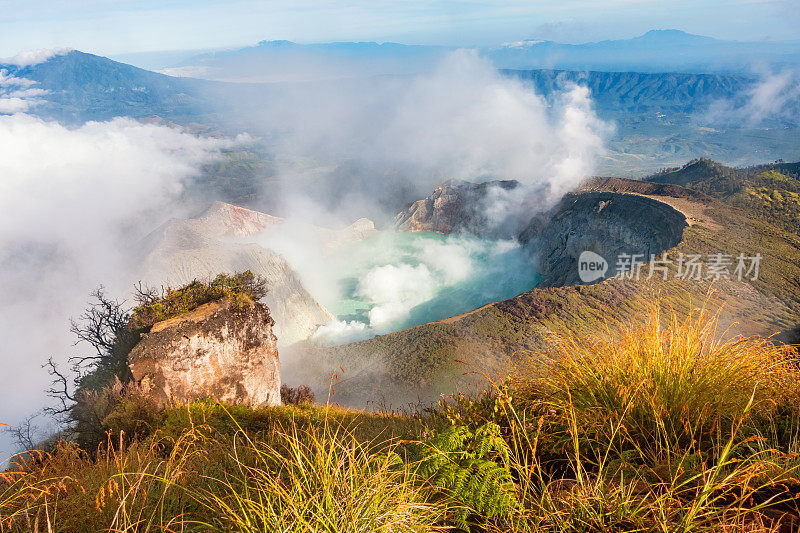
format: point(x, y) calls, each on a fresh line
point(464, 120)
point(403, 282)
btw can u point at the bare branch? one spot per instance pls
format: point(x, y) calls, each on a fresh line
point(59, 389)
point(26, 434)
point(144, 294)
point(100, 325)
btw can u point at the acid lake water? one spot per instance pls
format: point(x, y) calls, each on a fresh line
point(398, 280)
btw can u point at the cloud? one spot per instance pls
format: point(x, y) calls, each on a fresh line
point(370, 138)
point(28, 58)
point(9, 80)
point(71, 203)
point(776, 96)
point(11, 105)
point(186, 72)
point(17, 94)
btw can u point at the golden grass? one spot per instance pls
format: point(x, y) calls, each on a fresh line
point(664, 424)
point(661, 384)
point(317, 480)
point(293, 477)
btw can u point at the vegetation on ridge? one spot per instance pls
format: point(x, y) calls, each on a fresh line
point(656, 424)
point(766, 192)
point(244, 287)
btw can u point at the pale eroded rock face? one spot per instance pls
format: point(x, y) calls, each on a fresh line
point(217, 351)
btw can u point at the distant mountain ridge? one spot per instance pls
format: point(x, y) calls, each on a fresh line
point(83, 87)
point(655, 51)
point(674, 92)
point(282, 61)
point(661, 118)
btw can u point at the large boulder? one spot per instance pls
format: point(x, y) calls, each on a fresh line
point(223, 350)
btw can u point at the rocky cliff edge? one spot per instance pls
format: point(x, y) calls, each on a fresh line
point(223, 350)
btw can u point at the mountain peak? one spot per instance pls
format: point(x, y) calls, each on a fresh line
point(671, 36)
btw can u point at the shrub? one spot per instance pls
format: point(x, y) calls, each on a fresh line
point(296, 395)
point(121, 408)
point(243, 287)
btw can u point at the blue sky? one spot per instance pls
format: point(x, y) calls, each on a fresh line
point(115, 26)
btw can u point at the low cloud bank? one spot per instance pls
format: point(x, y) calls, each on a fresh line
point(18, 95)
point(72, 203)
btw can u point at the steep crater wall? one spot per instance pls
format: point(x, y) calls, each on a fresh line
point(606, 223)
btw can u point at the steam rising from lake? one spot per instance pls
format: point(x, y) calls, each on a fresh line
point(398, 280)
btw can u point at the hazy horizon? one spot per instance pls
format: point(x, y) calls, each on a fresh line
point(111, 28)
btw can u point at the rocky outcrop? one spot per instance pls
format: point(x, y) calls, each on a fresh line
point(460, 206)
point(221, 350)
point(606, 223)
